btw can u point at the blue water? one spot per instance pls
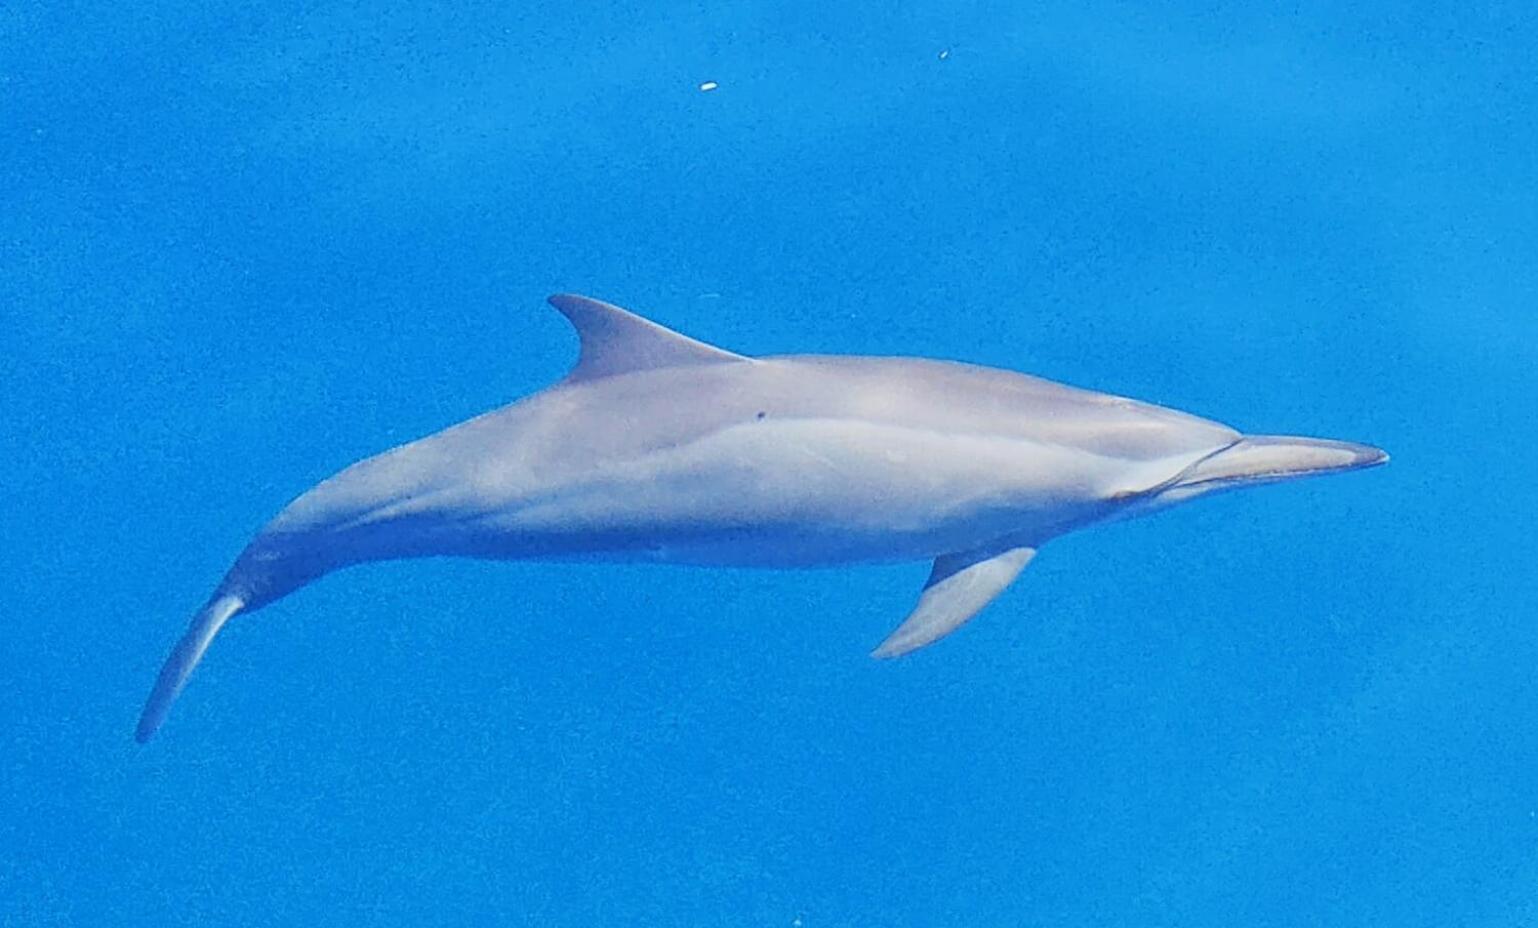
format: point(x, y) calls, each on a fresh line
point(242, 247)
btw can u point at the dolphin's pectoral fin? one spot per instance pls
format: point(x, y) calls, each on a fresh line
point(959, 587)
point(617, 341)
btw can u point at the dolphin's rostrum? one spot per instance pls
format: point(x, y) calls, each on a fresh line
point(657, 447)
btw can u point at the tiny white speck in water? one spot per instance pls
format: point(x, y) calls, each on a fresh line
point(709, 86)
point(944, 53)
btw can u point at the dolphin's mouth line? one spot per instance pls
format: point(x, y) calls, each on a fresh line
point(1262, 476)
point(1176, 480)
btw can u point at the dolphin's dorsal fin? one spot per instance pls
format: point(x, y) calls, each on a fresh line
point(959, 587)
point(617, 341)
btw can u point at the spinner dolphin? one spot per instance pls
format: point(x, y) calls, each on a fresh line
point(660, 448)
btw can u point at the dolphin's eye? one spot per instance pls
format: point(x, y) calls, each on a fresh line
point(761, 414)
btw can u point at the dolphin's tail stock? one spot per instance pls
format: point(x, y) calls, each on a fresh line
point(184, 657)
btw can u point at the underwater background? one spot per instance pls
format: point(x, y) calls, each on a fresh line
point(242, 246)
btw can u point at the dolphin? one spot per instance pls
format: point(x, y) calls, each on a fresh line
point(660, 448)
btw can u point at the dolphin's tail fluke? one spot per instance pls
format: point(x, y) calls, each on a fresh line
point(184, 657)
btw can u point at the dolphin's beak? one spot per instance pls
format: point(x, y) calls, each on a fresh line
point(1267, 458)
